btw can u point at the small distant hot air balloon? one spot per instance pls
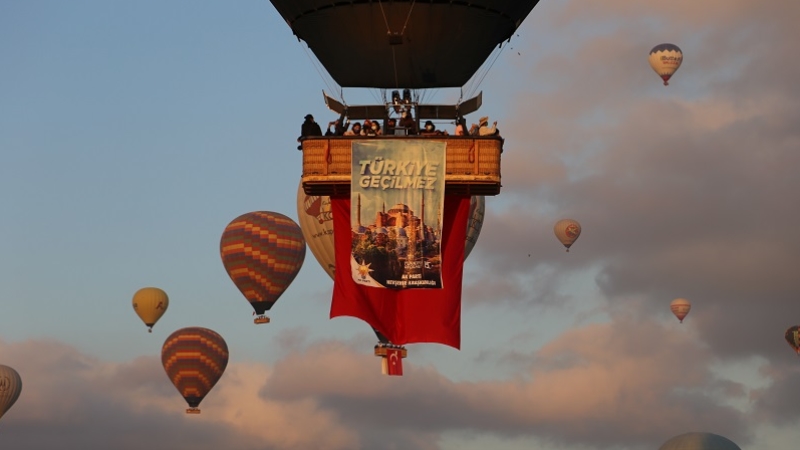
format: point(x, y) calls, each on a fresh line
point(680, 307)
point(150, 304)
point(665, 59)
point(793, 338)
point(567, 231)
point(262, 252)
point(10, 388)
point(194, 359)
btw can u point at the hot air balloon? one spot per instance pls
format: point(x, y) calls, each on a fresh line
point(793, 338)
point(699, 441)
point(680, 307)
point(403, 43)
point(10, 388)
point(567, 231)
point(194, 359)
point(665, 59)
point(150, 303)
point(263, 252)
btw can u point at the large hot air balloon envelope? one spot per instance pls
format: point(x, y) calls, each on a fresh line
point(680, 307)
point(10, 388)
point(665, 59)
point(699, 441)
point(403, 43)
point(150, 304)
point(194, 359)
point(262, 252)
point(792, 336)
point(567, 231)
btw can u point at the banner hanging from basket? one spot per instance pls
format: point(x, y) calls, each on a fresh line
point(397, 202)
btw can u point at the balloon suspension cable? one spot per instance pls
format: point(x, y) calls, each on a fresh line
point(392, 36)
point(481, 75)
point(317, 66)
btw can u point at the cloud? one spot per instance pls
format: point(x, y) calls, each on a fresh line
point(328, 395)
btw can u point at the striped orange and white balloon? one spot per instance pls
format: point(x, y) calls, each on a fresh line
point(262, 252)
point(680, 307)
point(195, 359)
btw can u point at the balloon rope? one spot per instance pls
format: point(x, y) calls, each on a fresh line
point(317, 64)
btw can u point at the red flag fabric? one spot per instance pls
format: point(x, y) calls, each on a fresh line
point(393, 362)
point(405, 315)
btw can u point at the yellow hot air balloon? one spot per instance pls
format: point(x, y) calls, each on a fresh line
point(150, 303)
point(567, 231)
point(10, 388)
point(665, 59)
point(680, 307)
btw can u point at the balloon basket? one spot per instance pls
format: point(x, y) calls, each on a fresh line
point(261, 319)
point(380, 350)
point(192, 410)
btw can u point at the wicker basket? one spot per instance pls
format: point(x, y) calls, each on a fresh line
point(472, 164)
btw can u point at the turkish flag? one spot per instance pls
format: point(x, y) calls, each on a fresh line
point(393, 362)
point(405, 315)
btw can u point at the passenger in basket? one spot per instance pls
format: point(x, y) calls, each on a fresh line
point(390, 126)
point(430, 129)
point(485, 130)
point(355, 131)
point(407, 122)
point(461, 127)
point(309, 128)
point(375, 127)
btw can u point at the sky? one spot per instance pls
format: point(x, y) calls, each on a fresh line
point(132, 133)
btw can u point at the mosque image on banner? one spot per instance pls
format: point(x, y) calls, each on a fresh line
point(398, 247)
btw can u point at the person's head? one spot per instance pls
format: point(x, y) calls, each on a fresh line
point(356, 126)
point(483, 121)
point(375, 127)
point(404, 114)
point(309, 118)
point(429, 125)
point(392, 122)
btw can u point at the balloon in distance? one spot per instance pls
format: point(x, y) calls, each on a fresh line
point(316, 221)
point(194, 358)
point(150, 303)
point(665, 59)
point(567, 231)
point(792, 336)
point(680, 307)
point(10, 388)
point(262, 252)
point(699, 441)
